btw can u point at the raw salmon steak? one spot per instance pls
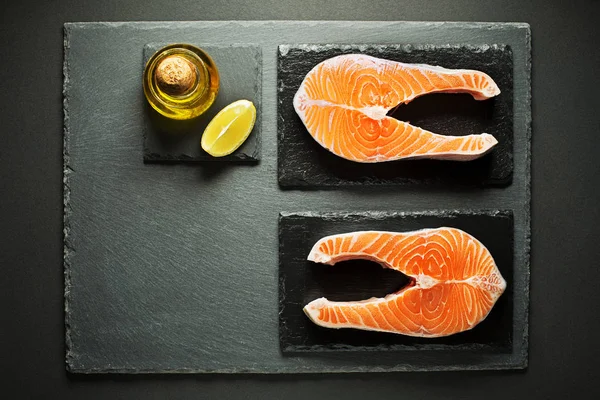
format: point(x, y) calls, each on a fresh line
point(454, 282)
point(344, 101)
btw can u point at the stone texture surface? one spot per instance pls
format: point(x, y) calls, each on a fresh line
point(240, 73)
point(301, 281)
point(304, 162)
point(173, 268)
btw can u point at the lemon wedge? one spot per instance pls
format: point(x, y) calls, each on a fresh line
point(229, 128)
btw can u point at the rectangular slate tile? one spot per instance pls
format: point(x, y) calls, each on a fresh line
point(304, 163)
point(240, 73)
point(301, 281)
point(165, 265)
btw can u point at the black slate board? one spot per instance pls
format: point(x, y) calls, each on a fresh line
point(305, 163)
point(301, 281)
point(163, 262)
point(240, 73)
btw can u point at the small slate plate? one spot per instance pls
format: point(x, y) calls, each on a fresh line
point(303, 162)
point(240, 73)
point(301, 281)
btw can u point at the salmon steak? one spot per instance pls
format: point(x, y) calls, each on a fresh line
point(454, 282)
point(344, 102)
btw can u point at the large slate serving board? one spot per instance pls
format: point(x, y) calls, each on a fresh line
point(173, 268)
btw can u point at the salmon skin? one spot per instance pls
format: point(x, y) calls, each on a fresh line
point(344, 101)
point(454, 282)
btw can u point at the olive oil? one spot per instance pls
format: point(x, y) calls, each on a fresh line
point(181, 81)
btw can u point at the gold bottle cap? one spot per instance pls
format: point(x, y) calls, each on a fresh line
point(176, 76)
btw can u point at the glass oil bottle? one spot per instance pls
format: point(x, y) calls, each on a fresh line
point(181, 81)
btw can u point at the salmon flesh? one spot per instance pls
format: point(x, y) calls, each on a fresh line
point(454, 282)
point(344, 102)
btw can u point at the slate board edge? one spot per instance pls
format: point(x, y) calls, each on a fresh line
point(388, 214)
point(259, 120)
point(308, 371)
point(524, 356)
point(284, 48)
point(150, 157)
point(67, 171)
point(216, 24)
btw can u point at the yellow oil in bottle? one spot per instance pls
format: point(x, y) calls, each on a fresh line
point(181, 81)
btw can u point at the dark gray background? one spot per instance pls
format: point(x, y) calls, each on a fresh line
point(565, 273)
